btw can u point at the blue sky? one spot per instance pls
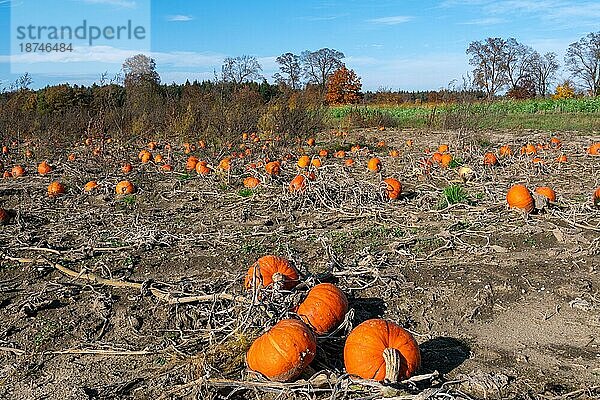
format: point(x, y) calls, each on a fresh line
point(408, 45)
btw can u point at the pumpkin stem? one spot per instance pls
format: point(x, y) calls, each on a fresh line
point(393, 364)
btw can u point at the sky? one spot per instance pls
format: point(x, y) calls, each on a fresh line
point(397, 45)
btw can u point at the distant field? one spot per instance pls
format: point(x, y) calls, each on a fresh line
point(544, 114)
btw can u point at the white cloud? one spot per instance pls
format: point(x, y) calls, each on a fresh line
point(179, 18)
point(394, 20)
point(483, 21)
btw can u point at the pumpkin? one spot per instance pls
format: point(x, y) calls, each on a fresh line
point(505, 151)
point(304, 161)
point(71, 157)
point(91, 185)
point(17, 171)
point(225, 164)
point(393, 188)
point(349, 162)
point(4, 216)
point(339, 154)
point(555, 143)
point(323, 153)
point(537, 160)
point(519, 197)
point(158, 159)
point(44, 168)
point(596, 197)
point(145, 156)
point(324, 308)
point(152, 145)
point(394, 153)
point(269, 270)
point(381, 350)
point(201, 144)
point(594, 149)
point(55, 188)
point(528, 149)
point(7, 174)
point(310, 142)
point(167, 168)
point(490, 159)
point(125, 187)
point(316, 162)
point(409, 143)
point(273, 167)
point(126, 168)
point(298, 184)
point(562, 159)
point(244, 136)
point(443, 148)
point(191, 162)
point(251, 182)
point(374, 164)
point(548, 192)
point(446, 160)
point(437, 157)
point(284, 351)
point(202, 168)
point(355, 148)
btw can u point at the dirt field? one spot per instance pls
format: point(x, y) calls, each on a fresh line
point(503, 305)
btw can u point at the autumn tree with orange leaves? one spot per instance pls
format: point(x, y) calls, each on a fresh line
point(343, 87)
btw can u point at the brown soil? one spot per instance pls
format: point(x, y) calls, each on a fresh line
point(506, 305)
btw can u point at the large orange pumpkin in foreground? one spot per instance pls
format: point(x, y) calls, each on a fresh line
point(17, 171)
point(125, 187)
point(379, 349)
point(519, 196)
point(284, 351)
point(271, 269)
point(548, 192)
point(393, 188)
point(324, 308)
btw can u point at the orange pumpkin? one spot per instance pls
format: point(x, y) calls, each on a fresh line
point(355, 148)
point(349, 162)
point(519, 197)
point(268, 270)
point(145, 156)
point(284, 351)
point(374, 164)
point(490, 159)
point(44, 168)
point(339, 154)
point(251, 182)
point(548, 192)
point(393, 188)
point(594, 149)
point(91, 185)
point(273, 167)
point(158, 159)
point(166, 168)
point(394, 153)
point(225, 164)
point(537, 160)
point(125, 187)
point(304, 161)
point(202, 168)
point(596, 198)
point(201, 144)
point(191, 162)
point(505, 151)
point(310, 142)
point(298, 184)
point(323, 153)
point(379, 349)
point(528, 149)
point(562, 159)
point(409, 143)
point(324, 308)
point(55, 188)
point(437, 157)
point(316, 162)
point(443, 148)
point(17, 171)
point(71, 157)
point(152, 145)
point(555, 143)
point(126, 168)
point(7, 174)
point(446, 160)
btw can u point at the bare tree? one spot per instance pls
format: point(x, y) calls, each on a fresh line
point(319, 65)
point(289, 65)
point(488, 58)
point(140, 68)
point(241, 69)
point(543, 71)
point(518, 59)
point(583, 60)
